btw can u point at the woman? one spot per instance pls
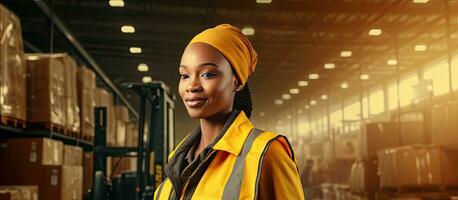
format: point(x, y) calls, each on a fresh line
point(225, 157)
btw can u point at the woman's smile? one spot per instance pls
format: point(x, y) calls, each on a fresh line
point(195, 101)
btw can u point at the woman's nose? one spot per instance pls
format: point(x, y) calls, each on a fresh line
point(194, 86)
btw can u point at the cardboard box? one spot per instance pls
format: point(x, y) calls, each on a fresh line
point(86, 85)
point(31, 152)
point(378, 136)
point(88, 170)
point(46, 88)
point(13, 71)
point(72, 183)
point(132, 135)
point(444, 124)
point(18, 192)
point(414, 128)
point(72, 110)
point(122, 113)
point(73, 155)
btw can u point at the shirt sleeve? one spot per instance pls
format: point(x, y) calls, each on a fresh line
point(279, 178)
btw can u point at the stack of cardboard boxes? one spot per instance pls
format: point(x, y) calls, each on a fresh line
point(86, 85)
point(12, 68)
point(18, 193)
point(105, 99)
point(42, 162)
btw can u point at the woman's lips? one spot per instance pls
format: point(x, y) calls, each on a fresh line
point(195, 102)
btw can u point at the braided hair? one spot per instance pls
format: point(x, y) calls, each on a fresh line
point(242, 101)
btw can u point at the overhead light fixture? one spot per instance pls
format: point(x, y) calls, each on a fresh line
point(324, 97)
point(299, 111)
point(32, 57)
point(375, 32)
point(421, 47)
point(142, 67)
point(314, 76)
point(313, 102)
point(364, 77)
point(307, 107)
point(420, 1)
point(263, 1)
point(392, 62)
point(286, 96)
point(303, 83)
point(135, 50)
point(346, 54)
point(344, 85)
point(127, 29)
point(278, 102)
point(116, 3)
point(329, 66)
point(147, 79)
point(248, 30)
point(294, 91)
point(288, 117)
point(262, 114)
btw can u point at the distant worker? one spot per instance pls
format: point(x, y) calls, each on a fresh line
point(306, 178)
point(225, 157)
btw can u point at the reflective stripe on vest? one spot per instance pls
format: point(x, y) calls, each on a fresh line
point(230, 177)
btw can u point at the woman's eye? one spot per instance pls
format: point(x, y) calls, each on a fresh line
point(183, 76)
point(208, 75)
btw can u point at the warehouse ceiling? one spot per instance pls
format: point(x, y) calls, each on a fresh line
point(294, 38)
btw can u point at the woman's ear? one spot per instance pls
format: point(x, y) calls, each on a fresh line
point(237, 85)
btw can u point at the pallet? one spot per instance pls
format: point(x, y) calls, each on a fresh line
point(48, 126)
point(13, 122)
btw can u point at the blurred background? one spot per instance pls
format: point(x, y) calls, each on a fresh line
point(365, 90)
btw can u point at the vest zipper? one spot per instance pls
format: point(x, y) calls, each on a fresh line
point(185, 194)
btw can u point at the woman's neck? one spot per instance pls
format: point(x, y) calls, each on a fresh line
point(211, 127)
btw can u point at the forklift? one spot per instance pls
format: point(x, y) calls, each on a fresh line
point(155, 142)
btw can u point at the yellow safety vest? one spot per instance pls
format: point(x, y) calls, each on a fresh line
point(234, 171)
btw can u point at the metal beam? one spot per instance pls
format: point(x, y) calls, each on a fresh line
point(82, 51)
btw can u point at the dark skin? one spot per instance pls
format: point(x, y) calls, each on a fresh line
point(207, 87)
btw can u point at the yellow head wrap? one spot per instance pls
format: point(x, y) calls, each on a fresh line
point(237, 49)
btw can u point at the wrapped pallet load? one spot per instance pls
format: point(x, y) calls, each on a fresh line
point(122, 120)
point(45, 86)
point(72, 111)
point(105, 99)
point(86, 86)
point(12, 69)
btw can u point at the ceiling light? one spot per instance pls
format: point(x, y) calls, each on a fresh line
point(294, 91)
point(314, 76)
point(346, 54)
point(364, 77)
point(116, 3)
point(420, 1)
point(262, 114)
point(299, 111)
point(127, 29)
point(324, 97)
point(421, 47)
point(286, 96)
point(302, 83)
point(392, 62)
point(263, 1)
point(313, 102)
point(32, 57)
point(307, 107)
point(375, 32)
point(135, 50)
point(142, 67)
point(278, 102)
point(344, 85)
point(248, 30)
point(147, 79)
point(288, 117)
point(329, 66)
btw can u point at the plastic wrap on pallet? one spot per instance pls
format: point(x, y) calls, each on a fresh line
point(86, 85)
point(72, 110)
point(19, 192)
point(122, 120)
point(105, 99)
point(132, 135)
point(45, 88)
point(12, 67)
point(122, 113)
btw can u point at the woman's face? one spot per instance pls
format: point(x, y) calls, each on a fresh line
point(207, 84)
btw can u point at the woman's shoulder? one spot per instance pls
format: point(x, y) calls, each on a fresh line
point(278, 145)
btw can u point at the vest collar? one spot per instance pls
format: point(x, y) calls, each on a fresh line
point(234, 137)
